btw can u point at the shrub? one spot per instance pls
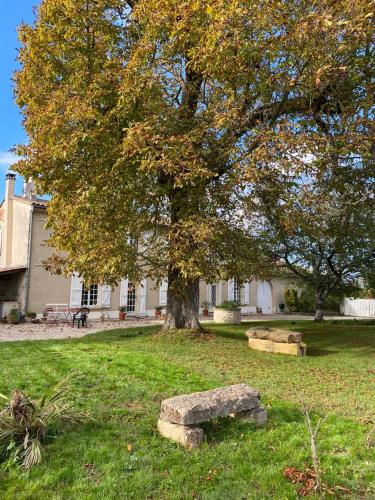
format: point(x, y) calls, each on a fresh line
point(14, 316)
point(306, 301)
point(31, 315)
point(291, 299)
point(24, 422)
point(229, 304)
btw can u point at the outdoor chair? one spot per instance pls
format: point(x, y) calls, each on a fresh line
point(81, 317)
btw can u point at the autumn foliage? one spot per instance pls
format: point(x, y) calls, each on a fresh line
point(148, 119)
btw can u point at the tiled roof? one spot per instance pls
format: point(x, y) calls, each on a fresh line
point(38, 202)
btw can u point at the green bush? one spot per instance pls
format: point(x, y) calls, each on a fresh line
point(229, 304)
point(14, 316)
point(291, 299)
point(306, 301)
point(332, 303)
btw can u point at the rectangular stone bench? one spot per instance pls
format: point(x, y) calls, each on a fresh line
point(180, 415)
point(276, 341)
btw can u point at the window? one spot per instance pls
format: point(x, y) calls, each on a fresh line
point(89, 295)
point(131, 298)
point(237, 292)
point(213, 295)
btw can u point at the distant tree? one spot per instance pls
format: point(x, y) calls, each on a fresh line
point(321, 229)
point(146, 119)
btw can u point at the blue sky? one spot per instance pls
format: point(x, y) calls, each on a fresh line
point(11, 131)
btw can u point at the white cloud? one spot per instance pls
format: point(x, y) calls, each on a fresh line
point(7, 159)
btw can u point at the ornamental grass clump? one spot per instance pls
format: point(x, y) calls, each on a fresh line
point(25, 422)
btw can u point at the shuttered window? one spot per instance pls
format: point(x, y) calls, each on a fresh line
point(237, 292)
point(213, 295)
point(131, 298)
point(89, 295)
point(163, 293)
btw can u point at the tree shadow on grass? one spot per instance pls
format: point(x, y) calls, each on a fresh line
point(219, 430)
point(228, 335)
point(314, 351)
point(117, 334)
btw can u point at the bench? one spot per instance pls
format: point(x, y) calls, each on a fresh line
point(180, 415)
point(276, 341)
point(57, 312)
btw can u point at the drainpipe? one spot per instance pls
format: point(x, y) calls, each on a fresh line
point(27, 274)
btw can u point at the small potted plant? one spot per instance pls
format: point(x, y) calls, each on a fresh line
point(30, 316)
point(14, 317)
point(122, 313)
point(281, 307)
point(205, 306)
point(158, 311)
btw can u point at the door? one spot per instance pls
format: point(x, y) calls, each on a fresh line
point(212, 294)
point(142, 297)
point(264, 297)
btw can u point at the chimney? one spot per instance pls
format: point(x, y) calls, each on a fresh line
point(10, 181)
point(28, 189)
point(6, 255)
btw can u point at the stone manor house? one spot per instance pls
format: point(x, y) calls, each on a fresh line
point(25, 284)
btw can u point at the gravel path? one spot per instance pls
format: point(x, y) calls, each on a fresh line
point(28, 331)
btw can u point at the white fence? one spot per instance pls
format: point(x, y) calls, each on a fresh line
point(358, 307)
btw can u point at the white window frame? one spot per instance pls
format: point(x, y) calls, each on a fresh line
point(92, 292)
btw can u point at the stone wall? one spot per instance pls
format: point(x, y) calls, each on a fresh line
point(227, 316)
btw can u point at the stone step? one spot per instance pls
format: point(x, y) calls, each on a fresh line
point(274, 335)
point(199, 407)
point(278, 347)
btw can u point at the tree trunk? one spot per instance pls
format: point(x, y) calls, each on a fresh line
point(319, 306)
point(183, 303)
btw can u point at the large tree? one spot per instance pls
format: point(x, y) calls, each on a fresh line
point(314, 215)
point(147, 118)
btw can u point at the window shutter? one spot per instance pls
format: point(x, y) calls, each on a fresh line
point(75, 291)
point(246, 293)
point(142, 297)
point(105, 295)
point(230, 289)
point(208, 293)
point(163, 293)
point(124, 292)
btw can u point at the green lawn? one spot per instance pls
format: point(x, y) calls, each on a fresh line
point(124, 375)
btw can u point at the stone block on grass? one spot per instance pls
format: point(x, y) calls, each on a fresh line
point(189, 436)
point(275, 335)
point(257, 415)
point(199, 407)
point(278, 347)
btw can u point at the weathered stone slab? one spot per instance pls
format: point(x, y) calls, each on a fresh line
point(275, 335)
point(201, 406)
point(257, 415)
point(229, 316)
point(190, 437)
point(278, 347)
